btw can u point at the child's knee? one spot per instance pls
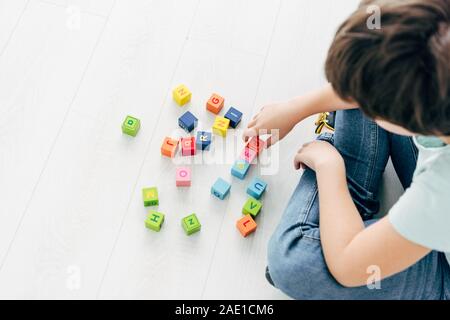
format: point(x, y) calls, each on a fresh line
point(297, 268)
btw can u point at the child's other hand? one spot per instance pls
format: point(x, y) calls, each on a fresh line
point(276, 116)
point(317, 155)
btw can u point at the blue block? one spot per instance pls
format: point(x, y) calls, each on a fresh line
point(203, 140)
point(256, 188)
point(235, 116)
point(240, 169)
point(188, 121)
point(220, 189)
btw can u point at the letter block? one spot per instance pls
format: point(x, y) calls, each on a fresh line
point(154, 221)
point(204, 140)
point(240, 169)
point(221, 126)
point(150, 197)
point(169, 147)
point(183, 177)
point(249, 155)
point(256, 144)
point(188, 122)
point(220, 189)
point(131, 126)
point(235, 117)
point(182, 95)
point(246, 226)
point(188, 147)
point(215, 103)
point(191, 224)
point(252, 207)
point(256, 188)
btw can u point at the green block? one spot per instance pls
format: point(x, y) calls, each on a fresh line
point(150, 196)
point(191, 224)
point(252, 207)
point(131, 126)
point(154, 221)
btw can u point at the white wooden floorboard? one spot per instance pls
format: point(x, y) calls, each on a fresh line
point(72, 222)
point(237, 24)
point(79, 203)
point(99, 7)
point(294, 66)
point(39, 75)
point(10, 13)
point(169, 264)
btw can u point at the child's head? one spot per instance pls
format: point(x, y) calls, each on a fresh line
point(399, 74)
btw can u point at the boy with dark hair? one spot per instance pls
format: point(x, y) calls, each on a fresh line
point(328, 244)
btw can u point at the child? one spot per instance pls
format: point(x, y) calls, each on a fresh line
point(399, 76)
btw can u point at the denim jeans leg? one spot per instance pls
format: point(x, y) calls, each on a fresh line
point(295, 257)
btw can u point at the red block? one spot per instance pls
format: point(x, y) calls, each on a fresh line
point(256, 144)
point(188, 147)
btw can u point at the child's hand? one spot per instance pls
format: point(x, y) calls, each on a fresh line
point(317, 155)
point(276, 116)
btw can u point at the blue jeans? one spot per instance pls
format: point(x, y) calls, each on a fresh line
point(296, 263)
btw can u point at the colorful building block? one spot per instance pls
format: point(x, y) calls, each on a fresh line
point(256, 144)
point(215, 103)
point(256, 188)
point(182, 95)
point(248, 155)
point(188, 147)
point(220, 189)
point(235, 117)
point(252, 207)
point(169, 147)
point(246, 226)
point(204, 140)
point(191, 224)
point(131, 126)
point(188, 122)
point(221, 126)
point(183, 177)
point(154, 221)
point(150, 197)
point(240, 169)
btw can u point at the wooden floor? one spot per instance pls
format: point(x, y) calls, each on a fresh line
point(71, 213)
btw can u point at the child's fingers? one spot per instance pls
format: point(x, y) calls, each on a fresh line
point(249, 133)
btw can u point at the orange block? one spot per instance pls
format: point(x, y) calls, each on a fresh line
point(215, 103)
point(169, 147)
point(246, 225)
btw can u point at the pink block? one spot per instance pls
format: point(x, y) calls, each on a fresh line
point(188, 147)
point(249, 155)
point(183, 177)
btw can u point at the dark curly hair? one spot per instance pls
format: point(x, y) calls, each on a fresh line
point(400, 72)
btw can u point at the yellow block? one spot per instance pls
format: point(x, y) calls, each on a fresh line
point(221, 126)
point(182, 95)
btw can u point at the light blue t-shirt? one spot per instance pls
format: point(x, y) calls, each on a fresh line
point(422, 215)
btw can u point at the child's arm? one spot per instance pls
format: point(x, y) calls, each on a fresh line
point(350, 249)
point(284, 116)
